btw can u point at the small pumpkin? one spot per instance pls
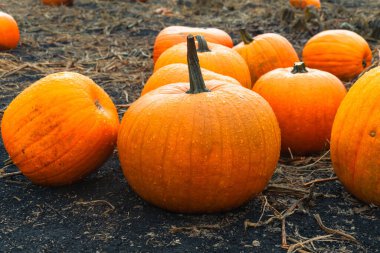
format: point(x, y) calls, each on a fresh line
point(179, 73)
point(60, 128)
point(58, 2)
point(302, 4)
point(355, 143)
point(341, 52)
point(265, 52)
point(174, 35)
point(214, 57)
point(305, 102)
point(9, 32)
point(200, 147)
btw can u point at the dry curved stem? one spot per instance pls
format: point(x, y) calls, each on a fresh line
point(175, 229)
point(295, 247)
point(308, 165)
point(94, 202)
point(277, 216)
point(334, 231)
point(123, 105)
point(320, 180)
point(10, 174)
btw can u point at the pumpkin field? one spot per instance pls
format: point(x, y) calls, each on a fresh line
point(126, 126)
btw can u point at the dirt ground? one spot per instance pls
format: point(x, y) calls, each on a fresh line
point(112, 42)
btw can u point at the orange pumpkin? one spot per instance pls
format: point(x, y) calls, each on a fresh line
point(179, 73)
point(355, 143)
point(302, 4)
point(173, 35)
point(199, 147)
point(60, 128)
point(305, 102)
point(58, 2)
point(340, 52)
point(9, 32)
point(214, 57)
point(265, 52)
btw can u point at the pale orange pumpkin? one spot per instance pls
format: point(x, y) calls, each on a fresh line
point(200, 147)
point(58, 2)
point(355, 143)
point(340, 52)
point(305, 102)
point(214, 57)
point(60, 128)
point(9, 32)
point(265, 52)
point(179, 73)
point(174, 35)
point(302, 4)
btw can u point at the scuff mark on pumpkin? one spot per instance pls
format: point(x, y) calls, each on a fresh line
point(98, 105)
point(372, 133)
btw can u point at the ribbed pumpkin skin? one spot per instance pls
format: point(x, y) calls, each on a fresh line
point(265, 53)
point(60, 128)
point(199, 153)
point(173, 35)
point(355, 143)
point(58, 2)
point(9, 32)
point(221, 60)
point(304, 3)
point(340, 52)
point(178, 73)
point(305, 105)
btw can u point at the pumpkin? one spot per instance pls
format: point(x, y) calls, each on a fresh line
point(60, 128)
point(355, 143)
point(178, 73)
point(305, 102)
point(265, 52)
point(9, 32)
point(214, 57)
point(200, 147)
point(302, 4)
point(340, 52)
point(58, 2)
point(173, 35)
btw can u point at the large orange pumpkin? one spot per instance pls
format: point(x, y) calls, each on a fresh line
point(265, 52)
point(9, 32)
point(305, 3)
point(204, 147)
point(355, 143)
point(58, 2)
point(305, 102)
point(60, 128)
point(214, 57)
point(173, 35)
point(179, 73)
point(340, 52)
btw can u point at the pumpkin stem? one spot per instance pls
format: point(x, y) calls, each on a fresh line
point(246, 38)
point(299, 67)
point(197, 84)
point(202, 44)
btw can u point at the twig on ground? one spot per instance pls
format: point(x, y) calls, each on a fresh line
point(10, 174)
point(294, 247)
point(286, 189)
point(94, 202)
point(175, 229)
point(308, 165)
point(333, 231)
point(124, 105)
point(284, 243)
point(320, 180)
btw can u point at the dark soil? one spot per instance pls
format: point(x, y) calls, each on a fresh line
point(111, 42)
